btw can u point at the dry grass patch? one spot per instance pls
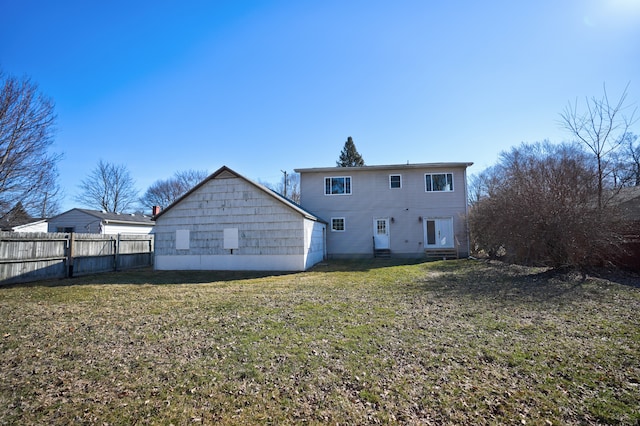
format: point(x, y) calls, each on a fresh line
point(365, 342)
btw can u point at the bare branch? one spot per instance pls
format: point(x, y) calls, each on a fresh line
point(28, 171)
point(109, 187)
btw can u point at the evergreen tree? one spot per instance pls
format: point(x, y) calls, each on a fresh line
point(350, 157)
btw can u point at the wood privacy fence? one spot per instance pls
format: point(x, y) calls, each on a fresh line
point(36, 256)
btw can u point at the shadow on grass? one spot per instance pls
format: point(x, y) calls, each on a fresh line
point(512, 283)
point(363, 264)
point(148, 276)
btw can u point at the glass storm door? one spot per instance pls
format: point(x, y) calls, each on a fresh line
point(438, 232)
point(381, 233)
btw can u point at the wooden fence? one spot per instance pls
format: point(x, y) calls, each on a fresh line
point(37, 256)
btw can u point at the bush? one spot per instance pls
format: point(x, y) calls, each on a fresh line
point(538, 206)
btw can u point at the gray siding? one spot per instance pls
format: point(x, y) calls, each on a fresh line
point(80, 222)
point(372, 198)
point(265, 225)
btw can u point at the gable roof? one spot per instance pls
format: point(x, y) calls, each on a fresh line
point(109, 217)
point(226, 172)
point(385, 167)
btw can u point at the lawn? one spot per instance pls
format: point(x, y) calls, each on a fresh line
point(375, 341)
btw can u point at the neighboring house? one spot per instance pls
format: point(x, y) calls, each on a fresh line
point(228, 222)
point(100, 222)
point(627, 200)
point(18, 220)
point(35, 225)
point(395, 210)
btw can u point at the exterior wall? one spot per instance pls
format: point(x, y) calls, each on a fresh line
point(271, 235)
point(40, 226)
point(372, 197)
point(82, 222)
point(126, 229)
point(314, 242)
point(79, 221)
point(229, 262)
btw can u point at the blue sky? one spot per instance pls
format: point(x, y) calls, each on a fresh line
point(265, 86)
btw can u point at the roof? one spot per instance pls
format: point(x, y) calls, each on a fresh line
point(628, 200)
point(119, 218)
point(386, 167)
point(17, 216)
point(226, 170)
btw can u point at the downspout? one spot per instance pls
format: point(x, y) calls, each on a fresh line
point(466, 212)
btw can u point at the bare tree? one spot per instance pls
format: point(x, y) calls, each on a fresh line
point(540, 208)
point(163, 192)
point(109, 187)
point(290, 185)
point(479, 185)
point(626, 162)
point(28, 171)
point(602, 128)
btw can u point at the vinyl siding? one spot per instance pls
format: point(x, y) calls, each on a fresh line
point(372, 198)
point(80, 221)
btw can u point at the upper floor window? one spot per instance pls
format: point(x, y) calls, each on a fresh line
point(395, 181)
point(337, 185)
point(438, 182)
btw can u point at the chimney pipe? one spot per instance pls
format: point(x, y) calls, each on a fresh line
point(155, 210)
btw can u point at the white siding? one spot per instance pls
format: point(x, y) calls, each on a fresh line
point(230, 262)
point(40, 226)
point(271, 235)
point(314, 242)
point(126, 229)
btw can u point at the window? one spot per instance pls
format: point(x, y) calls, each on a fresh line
point(438, 182)
point(65, 229)
point(337, 224)
point(395, 181)
point(337, 185)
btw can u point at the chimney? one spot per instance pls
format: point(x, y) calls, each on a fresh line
point(155, 210)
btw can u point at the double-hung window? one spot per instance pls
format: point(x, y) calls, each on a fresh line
point(340, 185)
point(395, 181)
point(438, 182)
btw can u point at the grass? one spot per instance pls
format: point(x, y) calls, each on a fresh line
point(366, 342)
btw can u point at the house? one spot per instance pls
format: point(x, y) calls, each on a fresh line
point(18, 220)
point(402, 210)
point(228, 222)
point(627, 202)
point(100, 222)
point(35, 225)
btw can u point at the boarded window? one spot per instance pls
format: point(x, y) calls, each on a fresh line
point(182, 239)
point(230, 238)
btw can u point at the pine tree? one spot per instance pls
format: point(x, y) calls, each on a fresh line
point(350, 157)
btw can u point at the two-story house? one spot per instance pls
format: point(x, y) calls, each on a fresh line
point(400, 210)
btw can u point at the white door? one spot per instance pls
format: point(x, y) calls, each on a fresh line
point(438, 232)
point(381, 233)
